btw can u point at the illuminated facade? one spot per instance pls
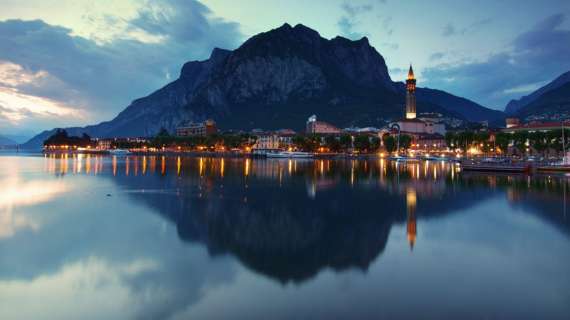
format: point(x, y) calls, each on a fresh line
point(411, 95)
point(512, 122)
point(202, 129)
point(281, 139)
point(320, 127)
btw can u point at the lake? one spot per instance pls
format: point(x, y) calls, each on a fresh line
point(101, 237)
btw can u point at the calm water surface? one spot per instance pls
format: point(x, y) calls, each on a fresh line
point(91, 237)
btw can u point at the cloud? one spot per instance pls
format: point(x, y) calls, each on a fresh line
point(17, 107)
point(100, 77)
point(436, 56)
point(537, 55)
point(476, 25)
point(451, 30)
point(387, 24)
point(390, 45)
point(349, 21)
point(448, 30)
point(525, 88)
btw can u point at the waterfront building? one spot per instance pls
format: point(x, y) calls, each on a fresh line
point(320, 127)
point(104, 144)
point(197, 129)
point(537, 126)
point(512, 122)
point(419, 127)
point(286, 138)
point(274, 140)
point(366, 130)
point(266, 141)
point(430, 142)
point(110, 143)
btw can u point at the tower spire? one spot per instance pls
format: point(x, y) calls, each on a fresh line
point(411, 73)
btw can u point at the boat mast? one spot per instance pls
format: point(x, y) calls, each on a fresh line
point(563, 145)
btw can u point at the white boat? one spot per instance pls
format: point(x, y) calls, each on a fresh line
point(289, 154)
point(403, 159)
point(119, 151)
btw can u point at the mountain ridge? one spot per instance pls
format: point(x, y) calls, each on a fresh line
point(515, 105)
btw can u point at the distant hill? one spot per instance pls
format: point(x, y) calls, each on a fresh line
point(468, 109)
point(277, 79)
point(515, 105)
point(4, 141)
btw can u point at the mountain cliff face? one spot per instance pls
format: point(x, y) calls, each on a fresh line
point(278, 79)
point(515, 105)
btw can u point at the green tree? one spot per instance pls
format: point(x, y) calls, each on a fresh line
point(332, 143)
point(307, 143)
point(405, 141)
point(554, 139)
point(346, 141)
point(451, 139)
point(362, 143)
point(502, 140)
point(374, 143)
point(482, 139)
point(465, 140)
point(389, 143)
point(538, 141)
point(520, 139)
point(299, 142)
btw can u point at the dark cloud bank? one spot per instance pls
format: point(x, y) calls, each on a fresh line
point(536, 56)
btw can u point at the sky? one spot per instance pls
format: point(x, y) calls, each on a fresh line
point(77, 62)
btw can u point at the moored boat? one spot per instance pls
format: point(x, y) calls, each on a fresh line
point(289, 154)
point(492, 166)
point(554, 168)
point(403, 158)
point(119, 151)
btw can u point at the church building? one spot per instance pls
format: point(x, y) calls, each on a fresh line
point(410, 124)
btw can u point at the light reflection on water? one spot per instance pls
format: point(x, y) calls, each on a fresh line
point(175, 237)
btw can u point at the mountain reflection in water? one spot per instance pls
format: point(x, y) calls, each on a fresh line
point(290, 219)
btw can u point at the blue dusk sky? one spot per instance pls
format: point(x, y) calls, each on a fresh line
point(79, 62)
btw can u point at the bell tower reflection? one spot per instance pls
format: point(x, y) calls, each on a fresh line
point(411, 200)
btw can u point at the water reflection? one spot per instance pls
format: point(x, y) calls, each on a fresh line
point(175, 237)
point(411, 199)
point(17, 194)
point(289, 219)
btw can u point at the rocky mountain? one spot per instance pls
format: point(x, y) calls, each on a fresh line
point(277, 79)
point(515, 105)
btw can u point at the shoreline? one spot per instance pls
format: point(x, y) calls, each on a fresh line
point(212, 154)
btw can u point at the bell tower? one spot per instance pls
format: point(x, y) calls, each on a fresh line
point(411, 95)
